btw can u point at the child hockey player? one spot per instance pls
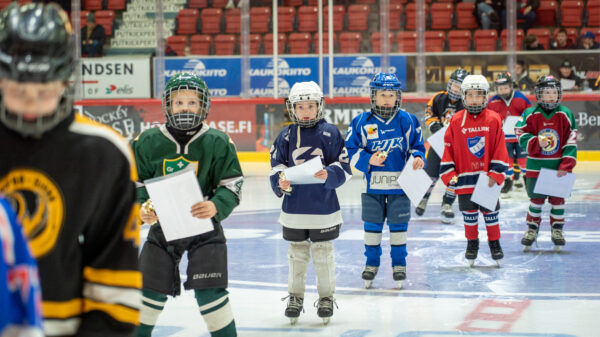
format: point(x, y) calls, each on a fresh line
point(186, 141)
point(509, 102)
point(440, 109)
point(548, 131)
point(474, 144)
point(310, 214)
point(379, 143)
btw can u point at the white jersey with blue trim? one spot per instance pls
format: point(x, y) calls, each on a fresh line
point(312, 206)
point(399, 136)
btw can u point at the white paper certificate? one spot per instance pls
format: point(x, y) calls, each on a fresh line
point(549, 184)
point(485, 195)
point(305, 173)
point(173, 196)
point(414, 183)
point(437, 141)
point(509, 125)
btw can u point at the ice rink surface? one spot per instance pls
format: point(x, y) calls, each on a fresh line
point(536, 293)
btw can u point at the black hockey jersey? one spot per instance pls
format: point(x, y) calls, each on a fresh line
point(440, 109)
point(74, 192)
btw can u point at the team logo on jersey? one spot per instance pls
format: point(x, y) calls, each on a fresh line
point(39, 204)
point(476, 146)
point(371, 130)
point(388, 144)
point(306, 153)
point(553, 141)
point(178, 164)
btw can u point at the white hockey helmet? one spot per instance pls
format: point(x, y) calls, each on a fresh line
point(481, 85)
point(305, 91)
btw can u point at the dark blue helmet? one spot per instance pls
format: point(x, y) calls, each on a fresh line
point(385, 82)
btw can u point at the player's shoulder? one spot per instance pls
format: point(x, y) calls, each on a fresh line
point(565, 110)
point(329, 130)
point(86, 128)
point(361, 117)
point(495, 99)
point(518, 94)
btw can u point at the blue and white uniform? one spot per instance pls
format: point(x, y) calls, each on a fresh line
point(20, 295)
point(400, 136)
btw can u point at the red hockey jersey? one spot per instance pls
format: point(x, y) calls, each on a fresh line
point(474, 144)
point(514, 107)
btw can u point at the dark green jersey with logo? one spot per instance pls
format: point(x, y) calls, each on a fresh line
point(211, 153)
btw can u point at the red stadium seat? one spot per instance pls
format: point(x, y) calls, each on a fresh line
point(518, 42)
point(293, 3)
point(546, 13)
point(459, 40)
point(224, 44)
point(211, 20)
point(177, 43)
point(464, 16)
point(198, 4)
point(434, 40)
point(260, 19)
point(485, 40)
point(268, 41)
point(255, 43)
point(543, 35)
point(571, 12)
point(366, 2)
point(376, 41)
point(308, 18)
point(398, 2)
point(395, 16)
point(219, 3)
point(325, 42)
point(106, 19)
point(441, 15)
point(411, 15)
point(595, 30)
point(232, 21)
point(115, 5)
point(200, 44)
point(93, 5)
point(285, 19)
point(593, 10)
point(82, 19)
point(357, 18)
point(187, 20)
point(338, 18)
point(299, 43)
point(407, 41)
point(350, 42)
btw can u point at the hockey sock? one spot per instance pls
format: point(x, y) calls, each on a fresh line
point(517, 171)
point(491, 225)
point(449, 195)
point(398, 243)
point(298, 259)
point(470, 218)
point(534, 214)
point(557, 212)
point(216, 311)
point(324, 261)
point(428, 193)
point(373, 243)
point(152, 305)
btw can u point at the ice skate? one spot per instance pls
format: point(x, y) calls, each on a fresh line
point(518, 183)
point(558, 239)
point(472, 249)
point(529, 237)
point(368, 275)
point(294, 307)
point(420, 210)
point(447, 214)
point(508, 183)
point(399, 274)
point(325, 308)
point(496, 251)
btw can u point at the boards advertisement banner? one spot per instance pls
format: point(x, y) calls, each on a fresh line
point(116, 77)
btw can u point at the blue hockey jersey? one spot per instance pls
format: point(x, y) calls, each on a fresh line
point(20, 297)
point(399, 135)
point(311, 206)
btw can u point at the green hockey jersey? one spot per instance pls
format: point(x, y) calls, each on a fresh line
point(211, 153)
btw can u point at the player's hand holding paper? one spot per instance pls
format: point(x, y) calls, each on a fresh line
point(173, 196)
point(414, 183)
point(484, 195)
point(548, 183)
point(305, 173)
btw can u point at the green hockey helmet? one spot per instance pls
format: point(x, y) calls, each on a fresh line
point(186, 101)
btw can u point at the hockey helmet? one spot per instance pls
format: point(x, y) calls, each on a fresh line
point(183, 114)
point(543, 84)
point(385, 82)
point(456, 77)
point(305, 91)
point(480, 85)
point(504, 78)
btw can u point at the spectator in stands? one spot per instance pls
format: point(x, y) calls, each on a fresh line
point(93, 37)
point(187, 50)
point(562, 41)
point(532, 43)
point(522, 80)
point(525, 11)
point(568, 79)
point(587, 41)
point(487, 12)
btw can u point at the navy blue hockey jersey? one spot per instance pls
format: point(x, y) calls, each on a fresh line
point(20, 298)
point(399, 135)
point(310, 206)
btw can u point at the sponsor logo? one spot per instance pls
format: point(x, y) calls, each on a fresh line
point(124, 90)
point(95, 69)
point(327, 230)
point(371, 130)
point(386, 131)
point(381, 180)
point(283, 69)
point(207, 275)
point(198, 67)
point(553, 141)
point(477, 129)
point(361, 70)
point(476, 146)
point(283, 89)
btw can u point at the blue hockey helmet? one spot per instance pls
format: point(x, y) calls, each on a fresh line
point(385, 82)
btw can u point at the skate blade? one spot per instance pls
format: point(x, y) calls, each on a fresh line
point(399, 283)
point(326, 320)
point(505, 196)
point(526, 248)
point(293, 320)
point(447, 221)
point(368, 284)
point(498, 263)
point(557, 248)
point(471, 262)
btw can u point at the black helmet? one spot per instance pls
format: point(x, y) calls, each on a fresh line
point(36, 45)
point(504, 78)
point(545, 82)
point(457, 76)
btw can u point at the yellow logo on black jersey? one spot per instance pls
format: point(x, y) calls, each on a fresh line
point(39, 205)
point(178, 164)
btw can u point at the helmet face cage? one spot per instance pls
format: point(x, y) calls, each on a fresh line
point(539, 91)
point(186, 119)
point(453, 96)
point(385, 112)
point(291, 106)
point(501, 80)
point(475, 108)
